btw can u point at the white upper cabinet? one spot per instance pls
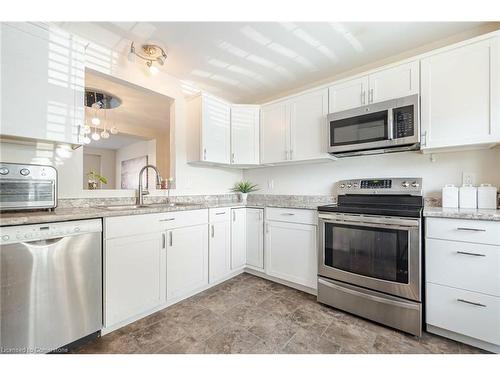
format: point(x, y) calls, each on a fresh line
point(274, 140)
point(42, 83)
point(460, 96)
point(216, 133)
point(396, 82)
point(348, 94)
point(294, 130)
point(308, 125)
point(245, 134)
point(391, 83)
point(209, 130)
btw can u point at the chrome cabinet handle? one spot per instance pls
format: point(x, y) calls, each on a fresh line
point(370, 96)
point(470, 302)
point(260, 215)
point(471, 229)
point(171, 238)
point(291, 154)
point(163, 240)
point(169, 219)
point(204, 154)
point(232, 157)
point(220, 213)
point(363, 97)
point(234, 215)
point(213, 231)
point(473, 254)
point(287, 214)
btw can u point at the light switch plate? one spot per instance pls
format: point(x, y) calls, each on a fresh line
point(468, 178)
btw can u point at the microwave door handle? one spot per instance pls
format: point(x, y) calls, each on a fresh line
point(390, 124)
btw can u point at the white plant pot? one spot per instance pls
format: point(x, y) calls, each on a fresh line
point(244, 197)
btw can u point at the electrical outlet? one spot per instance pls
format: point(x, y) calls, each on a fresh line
point(270, 184)
point(468, 178)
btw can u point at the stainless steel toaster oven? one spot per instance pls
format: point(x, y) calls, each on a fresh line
point(27, 187)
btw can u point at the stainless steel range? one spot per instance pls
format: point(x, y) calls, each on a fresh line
point(370, 251)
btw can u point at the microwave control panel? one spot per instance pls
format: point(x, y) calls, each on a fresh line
point(404, 124)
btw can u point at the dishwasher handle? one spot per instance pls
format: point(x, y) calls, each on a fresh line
point(42, 243)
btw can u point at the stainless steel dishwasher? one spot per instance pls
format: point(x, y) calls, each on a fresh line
point(50, 285)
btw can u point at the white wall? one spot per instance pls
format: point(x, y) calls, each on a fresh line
point(312, 179)
point(189, 179)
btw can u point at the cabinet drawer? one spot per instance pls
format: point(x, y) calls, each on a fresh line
point(475, 267)
point(122, 226)
point(180, 219)
point(217, 215)
point(478, 231)
point(292, 215)
point(468, 313)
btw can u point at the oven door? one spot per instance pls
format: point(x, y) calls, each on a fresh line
point(374, 252)
point(16, 194)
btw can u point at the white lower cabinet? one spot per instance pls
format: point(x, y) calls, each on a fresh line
point(291, 251)
point(255, 238)
point(462, 280)
point(134, 276)
point(187, 260)
point(219, 245)
point(238, 238)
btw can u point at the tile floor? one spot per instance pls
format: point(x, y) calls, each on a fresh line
point(248, 314)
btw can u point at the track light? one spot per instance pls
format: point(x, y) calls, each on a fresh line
point(150, 53)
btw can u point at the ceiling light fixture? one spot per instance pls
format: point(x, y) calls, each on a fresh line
point(151, 53)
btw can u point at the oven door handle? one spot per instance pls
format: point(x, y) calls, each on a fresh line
point(371, 225)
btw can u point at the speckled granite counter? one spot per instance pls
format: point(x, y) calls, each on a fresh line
point(69, 212)
point(456, 213)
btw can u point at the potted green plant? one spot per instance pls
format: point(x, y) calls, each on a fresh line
point(244, 187)
point(94, 178)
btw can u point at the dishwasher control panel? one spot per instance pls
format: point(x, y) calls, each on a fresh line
point(45, 231)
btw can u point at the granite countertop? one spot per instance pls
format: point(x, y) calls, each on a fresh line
point(79, 213)
point(457, 213)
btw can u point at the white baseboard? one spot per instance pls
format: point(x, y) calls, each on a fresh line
point(464, 339)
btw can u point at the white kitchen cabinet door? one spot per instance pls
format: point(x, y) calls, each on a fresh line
point(274, 130)
point(134, 279)
point(255, 238)
point(393, 83)
point(187, 260)
point(308, 125)
point(216, 132)
point(460, 96)
point(348, 94)
point(42, 83)
point(245, 134)
point(291, 252)
point(219, 248)
point(238, 238)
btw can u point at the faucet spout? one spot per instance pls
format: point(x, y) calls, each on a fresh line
point(141, 193)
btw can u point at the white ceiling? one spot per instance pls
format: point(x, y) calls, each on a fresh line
point(140, 107)
point(247, 62)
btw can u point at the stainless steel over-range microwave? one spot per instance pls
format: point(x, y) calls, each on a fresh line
point(388, 126)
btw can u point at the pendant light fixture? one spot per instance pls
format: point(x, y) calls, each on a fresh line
point(100, 102)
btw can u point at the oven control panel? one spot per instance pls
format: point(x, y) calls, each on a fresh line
point(409, 185)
